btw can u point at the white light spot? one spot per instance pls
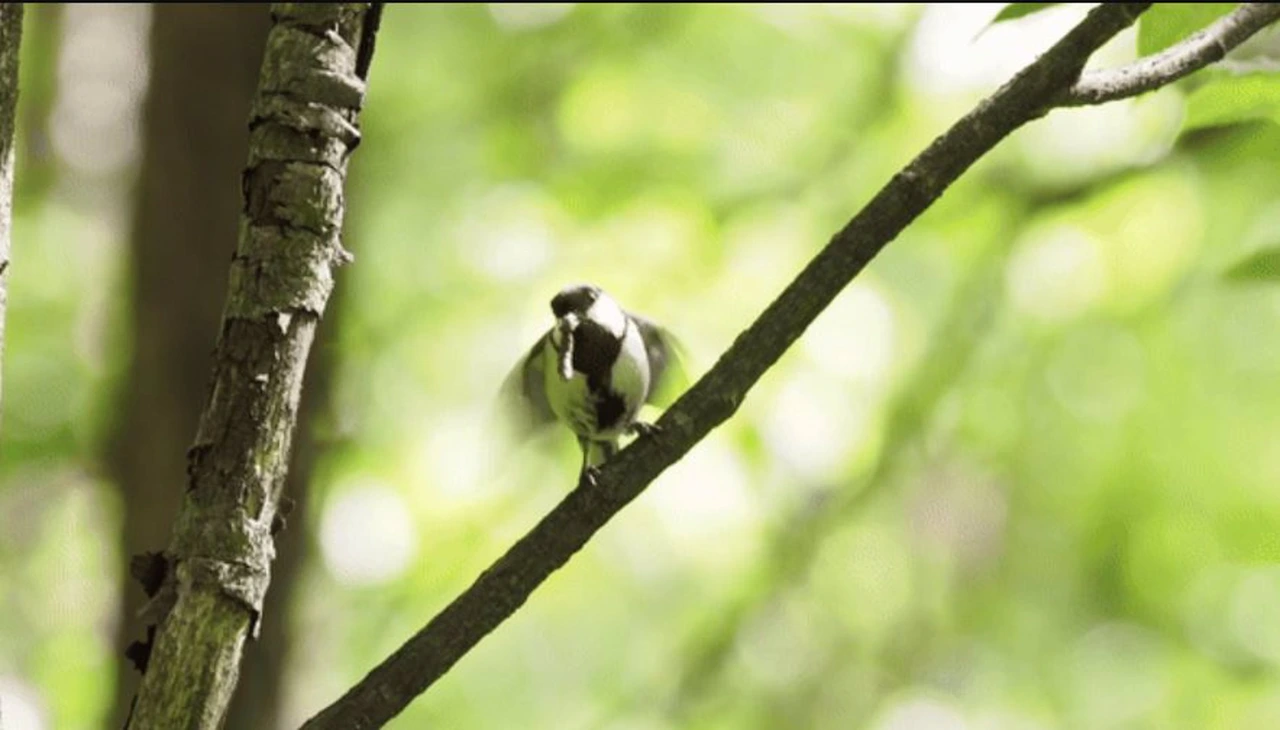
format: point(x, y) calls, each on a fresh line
point(1080, 144)
point(528, 16)
point(922, 713)
point(1058, 274)
point(705, 494)
point(1004, 718)
point(1120, 675)
point(20, 706)
point(953, 51)
point(815, 425)
point(102, 77)
point(1254, 614)
point(508, 235)
point(455, 454)
point(855, 336)
point(366, 535)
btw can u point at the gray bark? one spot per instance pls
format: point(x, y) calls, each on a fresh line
point(259, 696)
point(1201, 49)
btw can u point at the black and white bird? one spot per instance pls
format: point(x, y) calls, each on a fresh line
point(592, 371)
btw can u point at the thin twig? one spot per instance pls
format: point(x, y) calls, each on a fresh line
point(1194, 53)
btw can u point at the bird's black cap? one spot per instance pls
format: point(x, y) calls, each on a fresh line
point(577, 298)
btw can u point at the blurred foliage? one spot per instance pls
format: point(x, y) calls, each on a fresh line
point(1263, 265)
point(1013, 11)
point(1230, 99)
point(1167, 23)
point(1022, 474)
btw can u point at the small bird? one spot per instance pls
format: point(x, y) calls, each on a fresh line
point(592, 371)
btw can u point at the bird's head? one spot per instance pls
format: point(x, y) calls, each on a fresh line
point(572, 306)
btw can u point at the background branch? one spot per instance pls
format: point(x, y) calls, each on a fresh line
point(505, 586)
point(184, 221)
point(10, 41)
point(1199, 50)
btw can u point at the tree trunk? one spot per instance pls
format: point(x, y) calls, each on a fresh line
point(217, 568)
point(204, 68)
point(258, 701)
point(10, 43)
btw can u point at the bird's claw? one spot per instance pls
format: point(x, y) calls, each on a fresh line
point(640, 428)
point(590, 476)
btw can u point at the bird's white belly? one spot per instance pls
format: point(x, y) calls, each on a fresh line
point(573, 402)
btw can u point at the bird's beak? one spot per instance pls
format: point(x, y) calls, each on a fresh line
point(566, 324)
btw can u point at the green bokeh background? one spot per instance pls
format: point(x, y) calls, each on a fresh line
point(1024, 473)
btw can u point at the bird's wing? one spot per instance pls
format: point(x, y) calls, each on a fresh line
point(667, 376)
point(524, 392)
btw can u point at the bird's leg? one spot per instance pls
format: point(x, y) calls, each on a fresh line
point(588, 473)
point(640, 428)
point(591, 469)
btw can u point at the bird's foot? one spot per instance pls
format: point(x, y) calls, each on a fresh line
point(589, 477)
point(640, 428)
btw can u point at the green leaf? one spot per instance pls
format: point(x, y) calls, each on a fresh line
point(1013, 11)
point(1234, 99)
point(1261, 265)
point(1167, 23)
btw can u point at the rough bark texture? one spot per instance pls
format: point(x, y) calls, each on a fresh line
point(10, 43)
point(205, 61)
point(259, 696)
point(505, 586)
point(302, 129)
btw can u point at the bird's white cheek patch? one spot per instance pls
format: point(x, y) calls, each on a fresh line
point(630, 375)
point(608, 314)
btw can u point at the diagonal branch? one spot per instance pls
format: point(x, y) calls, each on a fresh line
point(505, 586)
point(1197, 51)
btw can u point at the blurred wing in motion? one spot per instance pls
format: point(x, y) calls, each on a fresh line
point(667, 375)
point(523, 396)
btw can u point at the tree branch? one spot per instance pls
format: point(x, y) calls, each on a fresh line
point(1197, 51)
point(505, 586)
point(217, 568)
point(10, 43)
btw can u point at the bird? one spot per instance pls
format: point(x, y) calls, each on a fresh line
point(592, 371)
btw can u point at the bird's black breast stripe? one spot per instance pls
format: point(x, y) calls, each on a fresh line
point(594, 351)
point(609, 408)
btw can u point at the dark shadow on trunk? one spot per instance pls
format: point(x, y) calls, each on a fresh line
point(204, 69)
